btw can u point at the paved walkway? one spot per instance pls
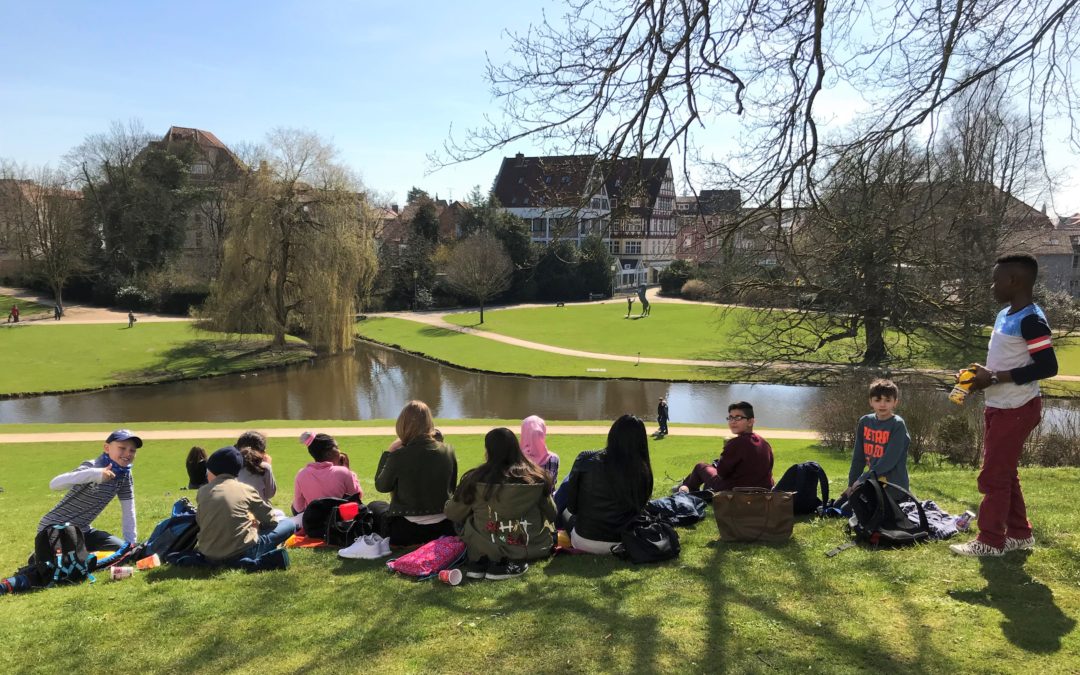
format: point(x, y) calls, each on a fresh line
point(294, 432)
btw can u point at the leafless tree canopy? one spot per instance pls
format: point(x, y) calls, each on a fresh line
point(635, 78)
point(479, 269)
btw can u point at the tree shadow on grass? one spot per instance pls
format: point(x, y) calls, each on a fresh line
point(861, 649)
point(1031, 620)
point(214, 357)
point(435, 331)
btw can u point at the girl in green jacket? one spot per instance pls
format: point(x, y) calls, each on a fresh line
point(504, 510)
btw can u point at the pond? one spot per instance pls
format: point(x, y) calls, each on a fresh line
point(374, 382)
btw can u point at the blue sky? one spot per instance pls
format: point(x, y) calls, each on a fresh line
point(384, 81)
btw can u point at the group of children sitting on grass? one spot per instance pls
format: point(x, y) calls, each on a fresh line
point(506, 510)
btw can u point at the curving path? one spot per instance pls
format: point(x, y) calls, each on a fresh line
point(81, 314)
point(449, 431)
point(438, 320)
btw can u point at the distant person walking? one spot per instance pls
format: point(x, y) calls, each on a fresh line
point(662, 416)
point(58, 311)
point(13, 315)
point(131, 319)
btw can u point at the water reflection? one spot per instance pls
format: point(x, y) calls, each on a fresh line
point(373, 383)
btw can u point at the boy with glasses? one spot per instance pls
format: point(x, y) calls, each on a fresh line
point(747, 459)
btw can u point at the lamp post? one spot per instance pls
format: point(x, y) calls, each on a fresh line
point(614, 271)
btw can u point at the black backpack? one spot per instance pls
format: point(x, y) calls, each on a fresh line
point(683, 508)
point(317, 514)
point(60, 557)
point(804, 479)
point(341, 532)
point(647, 539)
point(177, 533)
point(878, 519)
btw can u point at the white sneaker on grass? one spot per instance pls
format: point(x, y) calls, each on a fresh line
point(976, 549)
point(361, 549)
point(1013, 544)
point(383, 545)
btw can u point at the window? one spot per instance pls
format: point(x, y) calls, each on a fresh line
point(633, 248)
point(565, 180)
point(537, 226)
point(1076, 262)
point(201, 169)
point(547, 180)
point(684, 206)
point(613, 245)
point(688, 242)
point(1053, 241)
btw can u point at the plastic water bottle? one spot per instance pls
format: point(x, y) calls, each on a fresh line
point(963, 521)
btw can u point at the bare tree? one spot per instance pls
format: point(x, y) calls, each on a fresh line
point(46, 219)
point(634, 78)
point(298, 247)
point(479, 269)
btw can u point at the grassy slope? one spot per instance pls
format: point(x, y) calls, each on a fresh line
point(480, 353)
point(673, 331)
point(733, 608)
point(26, 308)
point(69, 357)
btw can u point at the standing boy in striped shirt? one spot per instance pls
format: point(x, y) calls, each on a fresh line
point(1020, 354)
point(92, 485)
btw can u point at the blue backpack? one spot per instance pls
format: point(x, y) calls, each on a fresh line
point(804, 479)
point(179, 532)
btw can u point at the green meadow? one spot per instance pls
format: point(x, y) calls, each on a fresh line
point(71, 357)
point(737, 608)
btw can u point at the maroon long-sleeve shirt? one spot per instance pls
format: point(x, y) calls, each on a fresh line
point(747, 461)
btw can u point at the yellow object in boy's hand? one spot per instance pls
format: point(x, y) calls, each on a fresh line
point(964, 381)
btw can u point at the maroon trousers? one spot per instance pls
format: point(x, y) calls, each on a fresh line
point(1003, 513)
point(703, 475)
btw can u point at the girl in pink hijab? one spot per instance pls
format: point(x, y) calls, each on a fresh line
point(534, 445)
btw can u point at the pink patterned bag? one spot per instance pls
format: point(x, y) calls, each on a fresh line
point(430, 559)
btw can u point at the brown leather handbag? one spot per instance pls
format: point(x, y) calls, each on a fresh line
point(754, 514)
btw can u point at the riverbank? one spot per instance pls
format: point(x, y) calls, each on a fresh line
point(449, 340)
point(64, 357)
point(749, 607)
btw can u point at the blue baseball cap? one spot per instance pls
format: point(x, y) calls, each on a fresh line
point(124, 435)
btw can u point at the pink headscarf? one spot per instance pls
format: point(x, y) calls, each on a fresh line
point(533, 443)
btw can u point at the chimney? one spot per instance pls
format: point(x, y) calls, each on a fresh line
point(519, 159)
point(263, 166)
point(394, 208)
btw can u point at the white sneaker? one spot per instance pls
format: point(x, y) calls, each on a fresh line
point(1012, 544)
point(384, 546)
point(361, 549)
point(976, 549)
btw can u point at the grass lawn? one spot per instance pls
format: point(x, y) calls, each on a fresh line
point(732, 608)
point(470, 351)
point(27, 309)
point(87, 356)
point(680, 331)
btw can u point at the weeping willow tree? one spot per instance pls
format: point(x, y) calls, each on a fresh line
point(299, 247)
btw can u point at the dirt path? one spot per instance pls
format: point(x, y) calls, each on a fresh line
point(81, 314)
point(448, 431)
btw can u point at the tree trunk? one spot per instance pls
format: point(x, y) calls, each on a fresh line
point(875, 339)
point(481, 312)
